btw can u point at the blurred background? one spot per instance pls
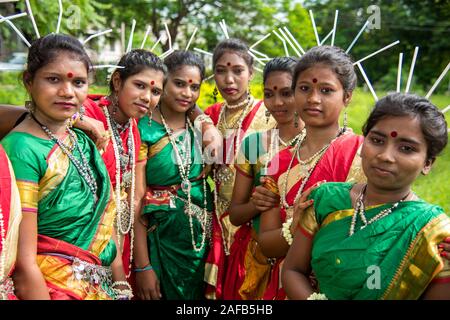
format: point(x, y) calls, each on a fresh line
point(425, 24)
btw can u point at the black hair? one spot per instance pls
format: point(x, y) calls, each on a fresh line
point(335, 58)
point(283, 64)
point(134, 62)
point(235, 46)
point(180, 58)
point(46, 49)
point(432, 121)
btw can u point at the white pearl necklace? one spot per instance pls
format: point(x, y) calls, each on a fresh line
point(186, 184)
point(315, 157)
point(3, 253)
point(361, 211)
point(119, 207)
point(238, 105)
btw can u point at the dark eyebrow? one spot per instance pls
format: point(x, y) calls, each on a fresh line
point(408, 140)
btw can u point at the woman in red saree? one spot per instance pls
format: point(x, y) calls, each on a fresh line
point(323, 83)
point(10, 216)
point(238, 116)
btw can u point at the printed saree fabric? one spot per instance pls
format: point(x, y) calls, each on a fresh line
point(94, 105)
point(11, 215)
point(172, 232)
point(395, 257)
point(73, 227)
point(341, 162)
point(223, 231)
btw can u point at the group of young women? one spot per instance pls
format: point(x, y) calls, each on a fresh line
point(159, 206)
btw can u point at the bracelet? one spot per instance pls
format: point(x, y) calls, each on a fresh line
point(121, 283)
point(146, 268)
point(317, 296)
point(286, 231)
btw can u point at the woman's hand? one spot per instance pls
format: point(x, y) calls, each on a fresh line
point(302, 204)
point(444, 248)
point(147, 285)
point(264, 199)
point(95, 130)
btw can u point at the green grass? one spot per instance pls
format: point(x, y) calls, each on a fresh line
point(434, 188)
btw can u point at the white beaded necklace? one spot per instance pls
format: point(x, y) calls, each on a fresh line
point(361, 211)
point(238, 105)
point(121, 210)
point(296, 154)
point(186, 184)
point(3, 239)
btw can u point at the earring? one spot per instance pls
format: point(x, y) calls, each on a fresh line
point(345, 121)
point(150, 117)
point(114, 102)
point(267, 116)
point(30, 106)
point(215, 93)
point(249, 92)
point(296, 119)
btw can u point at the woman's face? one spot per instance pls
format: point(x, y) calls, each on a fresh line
point(182, 88)
point(139, 93)
point(394, 153)
point(232, 76)
point(59, 88)
point(320, 96)
point(279, 97)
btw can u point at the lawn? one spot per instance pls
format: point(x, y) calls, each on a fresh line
point(434, 187)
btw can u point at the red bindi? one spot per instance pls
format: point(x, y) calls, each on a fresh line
point(275, 88)
point(228, 64)
point(314, 80)
point(190, 80)
point(69, 75)
point(152, 82)
point(393, 134)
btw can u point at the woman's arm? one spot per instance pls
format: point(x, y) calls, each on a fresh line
point(270, 238)
point(437, 291)
point(297, 268)
point(8, 117)
point(28, 279)
point(242, 208)
point(146, 280)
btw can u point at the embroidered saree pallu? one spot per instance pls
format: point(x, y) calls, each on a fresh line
point(395, 257)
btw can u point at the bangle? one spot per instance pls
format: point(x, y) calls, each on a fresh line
point(121, 283)
point(146, 268)
point(286, 231)
point(317, 296)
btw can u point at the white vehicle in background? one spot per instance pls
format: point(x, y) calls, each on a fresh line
point(16, 63)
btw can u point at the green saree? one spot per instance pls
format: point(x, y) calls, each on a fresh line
point(70, 225)
point(395, 257)
point(171, 236)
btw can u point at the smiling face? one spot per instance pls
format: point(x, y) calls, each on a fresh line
point(232, 76)
point(59, 88)
point(320, 96)
point(139, 93)
point(279, 97)
point(394, 153)
point(182, 88)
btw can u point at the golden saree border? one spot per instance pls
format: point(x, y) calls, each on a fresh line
point(143, 152)
point(294, 172)
point(308, 222)
point(12, 236)
point(211, 274)
point(29, 195)
point(158, 147)
point(105, 228)
point(259, 121)
point(58, 275)
point(421, 262)
point(57, 166)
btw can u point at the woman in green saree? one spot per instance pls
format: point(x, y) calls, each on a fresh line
point(377, 240)
point(66, 248)
point(172, 228)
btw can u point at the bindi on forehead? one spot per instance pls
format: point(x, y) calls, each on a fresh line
point(314, 80)
point(394, 134)
point(228, 63)
point(152, 82)
point(190, 81)
point(69, 75)
point(275, 88)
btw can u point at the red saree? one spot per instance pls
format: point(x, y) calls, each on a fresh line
point(226, 237)
point(339, 163)
point(11, 215)
point(93, 106)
